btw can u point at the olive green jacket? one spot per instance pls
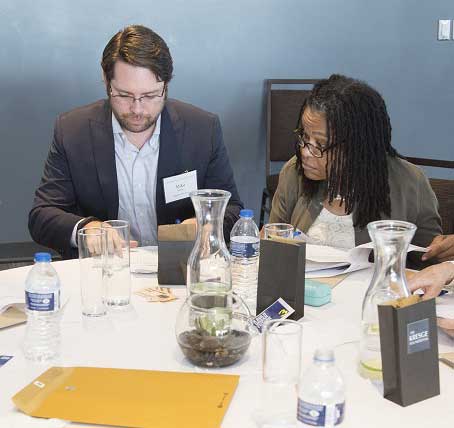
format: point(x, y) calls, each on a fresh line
point(412, 199)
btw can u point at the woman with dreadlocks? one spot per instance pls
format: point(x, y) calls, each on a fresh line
point(346, 173)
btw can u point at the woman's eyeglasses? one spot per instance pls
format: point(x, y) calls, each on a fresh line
point(303, 141)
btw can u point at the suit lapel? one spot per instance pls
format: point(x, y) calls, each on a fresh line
point(171, 141)
point(170, 157)
point(104, 154)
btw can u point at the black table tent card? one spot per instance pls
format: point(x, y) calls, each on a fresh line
point(175, 243)
point(281, 274)
point(409, 351)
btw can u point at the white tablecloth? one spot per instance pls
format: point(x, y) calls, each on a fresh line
point(144, 338)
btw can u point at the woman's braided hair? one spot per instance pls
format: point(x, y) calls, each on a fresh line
point(359, 134)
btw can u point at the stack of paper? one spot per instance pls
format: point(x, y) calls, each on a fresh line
point(445, 306)
point(323, 261)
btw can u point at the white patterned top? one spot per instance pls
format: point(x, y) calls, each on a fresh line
point(333, 230)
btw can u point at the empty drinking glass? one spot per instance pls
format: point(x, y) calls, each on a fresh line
point(91, 243)
point(281, 372)
point(278, 230)
point(116, 271)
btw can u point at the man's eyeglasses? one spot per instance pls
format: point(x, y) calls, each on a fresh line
point(303, 141)
point(129, 100)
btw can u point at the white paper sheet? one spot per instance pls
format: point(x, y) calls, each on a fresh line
point(144, 260)
point(445, 306)
point(323, 261)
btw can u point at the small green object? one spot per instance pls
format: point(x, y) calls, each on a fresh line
point(214, 323)
point(316, 293)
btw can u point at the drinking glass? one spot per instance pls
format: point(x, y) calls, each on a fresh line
point(278, 230)
point(282, 342)
point(116, 269)
point(91, 243)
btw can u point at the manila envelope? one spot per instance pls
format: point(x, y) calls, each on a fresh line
point(129, 398)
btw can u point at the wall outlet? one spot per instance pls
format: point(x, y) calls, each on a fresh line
point(444, 29)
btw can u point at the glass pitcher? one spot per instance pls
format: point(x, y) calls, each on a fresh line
point(209, 262)
point(391, 239)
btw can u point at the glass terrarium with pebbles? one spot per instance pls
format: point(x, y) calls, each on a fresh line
point(214, 329)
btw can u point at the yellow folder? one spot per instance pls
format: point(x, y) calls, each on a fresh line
point(129, 398)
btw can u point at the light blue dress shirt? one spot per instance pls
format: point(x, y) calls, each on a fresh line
point(136, 175)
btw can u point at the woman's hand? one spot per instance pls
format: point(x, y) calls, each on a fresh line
point(432, 279)
point(442, 248)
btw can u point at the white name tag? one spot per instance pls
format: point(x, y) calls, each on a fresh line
point(179, 186)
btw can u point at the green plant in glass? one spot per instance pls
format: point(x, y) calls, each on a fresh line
point(213, 329)
point(216, 322)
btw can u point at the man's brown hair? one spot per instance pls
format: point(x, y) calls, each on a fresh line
point(139, 46)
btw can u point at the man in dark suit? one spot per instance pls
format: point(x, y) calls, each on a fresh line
point(111, 159)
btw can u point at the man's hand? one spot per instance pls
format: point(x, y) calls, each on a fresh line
point(432, 279)
point(442, 247)
point(93, 243)
point(93, 224)
point(114, 241)
point(191, 220)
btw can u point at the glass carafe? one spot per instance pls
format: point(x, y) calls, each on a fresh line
point(391, 239)
point(209, 262)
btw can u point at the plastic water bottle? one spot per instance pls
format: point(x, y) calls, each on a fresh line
point(244, 246)
point(42, 302)
point(321, 393)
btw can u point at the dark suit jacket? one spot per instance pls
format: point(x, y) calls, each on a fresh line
point(80, 178)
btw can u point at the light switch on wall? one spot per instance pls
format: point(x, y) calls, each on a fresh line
point(444, 29)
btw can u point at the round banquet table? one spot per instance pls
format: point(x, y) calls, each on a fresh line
point(143, 337)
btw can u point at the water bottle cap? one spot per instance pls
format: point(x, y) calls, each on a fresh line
point(43, 257)
point(247, 213)
point(324, 355)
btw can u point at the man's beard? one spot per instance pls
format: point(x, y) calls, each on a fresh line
point(135, 123)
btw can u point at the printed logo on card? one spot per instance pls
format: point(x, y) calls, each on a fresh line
point(280, 309)
point(418, 336)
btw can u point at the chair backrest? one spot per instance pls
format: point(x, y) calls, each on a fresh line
point(283, 106)
point(444, 190)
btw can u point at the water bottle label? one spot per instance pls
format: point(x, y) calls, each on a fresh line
point(42, 301)
point(319, 415)
point(244, 249)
